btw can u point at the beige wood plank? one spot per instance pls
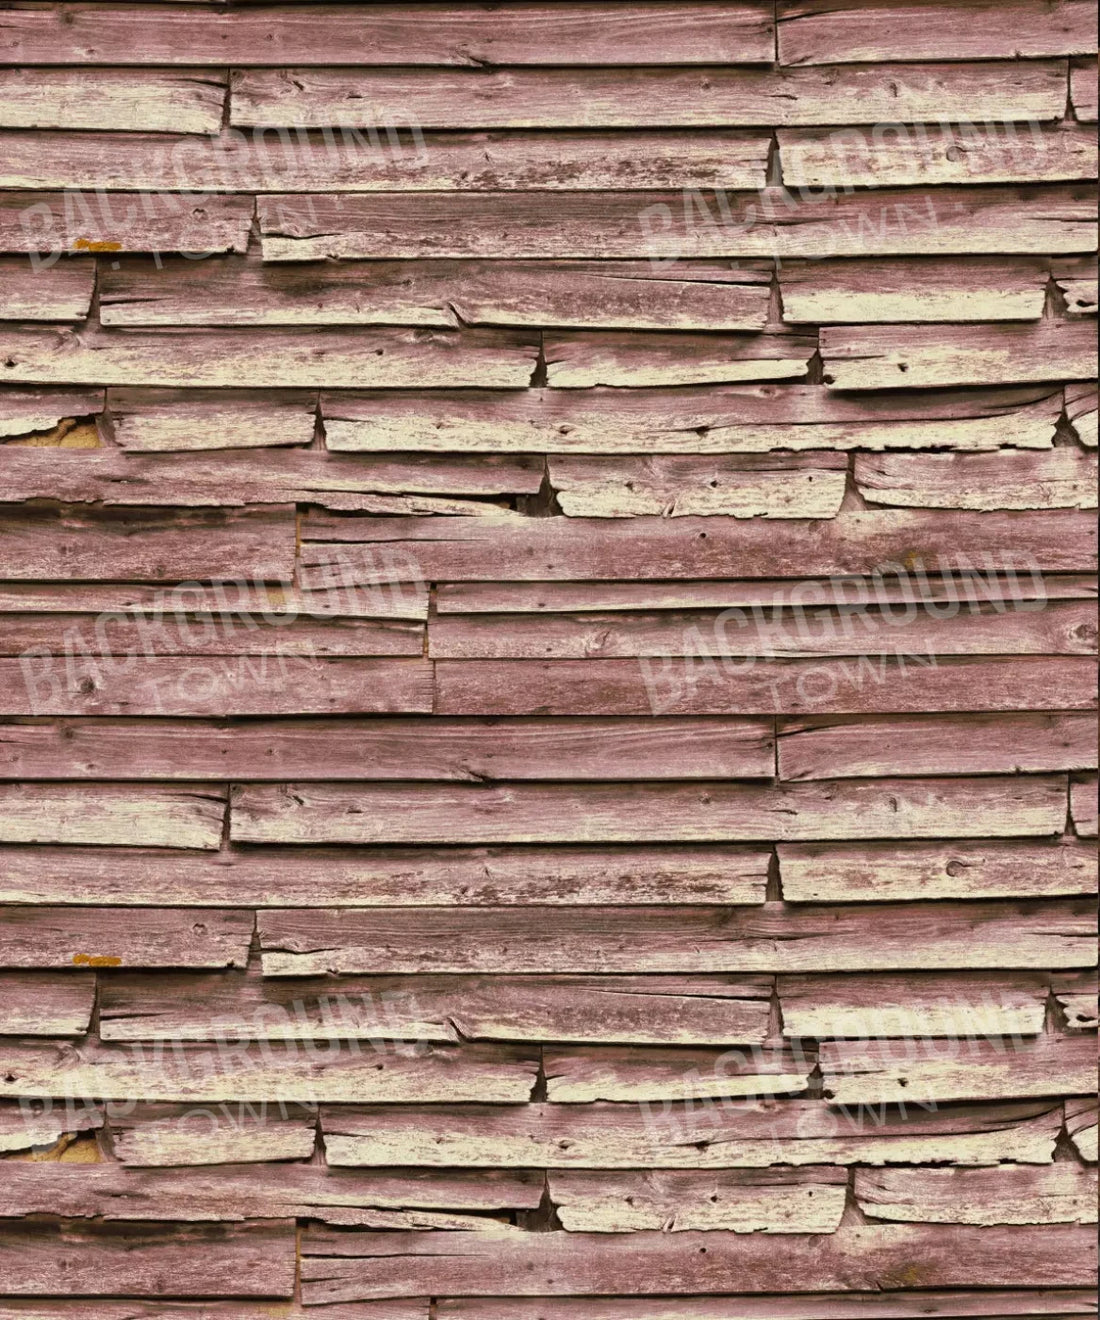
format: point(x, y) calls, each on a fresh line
point(1082, 88)
point(165, 420)
point(44, 1004)
point(138, 815)
point(576, 360)
point(236, 1131)
point(1081, 1127)
point(627, 1074)
point(1082, 804)
point(62, 292)
point(149, 101)
point(1063, 478)
point(1061, 1194)
point(1081, 410)
point(104, 937)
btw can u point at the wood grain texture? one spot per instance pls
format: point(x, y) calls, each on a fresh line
point(25, 1130)
point(773, 938)
point(1082, 87)
point(1061, 1194)
point(625, 1074)
point(1081, 408)
point(1081, 1127)
point(234, 291)
point(1082, 804)
point(62, 292)
point(166, 420)
point(577, 360)
point(149, 815)
point(33, 1004)
point(147, 1135)
point(152, 101)
point(1064, 478)
point(1076, 993)
point(102, 937)
point(1077, 281)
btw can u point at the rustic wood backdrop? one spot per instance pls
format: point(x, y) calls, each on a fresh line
point(548, 660)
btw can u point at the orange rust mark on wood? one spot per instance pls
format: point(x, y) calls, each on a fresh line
point(95, 960)
point(96, 245)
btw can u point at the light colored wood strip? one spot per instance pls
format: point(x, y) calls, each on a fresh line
point(53, 223)
point(856, 1073)
point(355, 1266)
point(243, 1260)
point(148, 545)
point(639, 1010)
point(1076, 278)
point(772, 938)
point(379, 749)
point(1061, 1194)
point(626, 1074)
point(1081, 1126)
point(632, 295)
point(956, 1005)
point(62, 292)
point(1029, 219)
point(897, 871)
point(23, 1128)
point(219, 686)
point(696, 420)
point(1081, 408)
point(22, 412)
point(832, 747)
point(865, 290)
point(1066, 627)
point(738, 1134)
point(366, 550)
point(401, 1308)
point(809, 485)
point(892, 357)
point(236, 1193)
point(1082, 88)
point(909, 155)
point(33, 1004)
point(650, 97)
point(806, 1200)
point(643, 813)
point(152, 101)
point(693, 685)
point(345, 161)
point(1083, 806)
point(1063, 478)
point(818, 31)
point(306, 359)
point(164, 420)
point(1077, 994)
point(237, 1131)
point(578, 360)
point(275, 1073)
point(44, 937)
point(577, 33)
point(148, 815)
point(386, 878)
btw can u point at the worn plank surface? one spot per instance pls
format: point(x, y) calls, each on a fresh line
point(149, 101)
point(1061, 1194)
point(103, 937)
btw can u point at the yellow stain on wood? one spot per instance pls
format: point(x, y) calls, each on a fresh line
point(95, 245)
point(67, 434)
point(95, 960)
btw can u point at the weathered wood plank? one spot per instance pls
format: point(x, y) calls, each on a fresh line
point(939, 221)
point(832, 747)
point(806, 1200)
point(1061, 1194)
point(866, 290)
point(627, 1074)
point(647, 813)
point(53, 223)
point(42, 937)
point(147, 545)
point(234, 1132)
point(818, 31)
point(378, 749)
point(813, 873)
point(890, 357)
point(23, 1127)
point(33, 1004)
point(650, 97)
point(954, 1005)
point(576, 359)
point(1081, 1118)
point(62, 292)
point(1076, 278)
point(398, 1308)
point(235, 1193)
point(380, 878)
point(737, 1134)
point(218, 687)
point(809, 485)
point(353, 1266)
point(139, 815)
point(675, 685)
point(165, 420)
point(772, 938)
point(696, 420)
point(276, 1073)
point(306, 359)
point(243, 1260)
point(1076, 992)
point(1082, 802)
point(889, 1072)
point(806, 1306)
point(909, 155)
point(559, 549)
point(536, 294)
point(572, 33)
point(1063, 628)
point(1063, 478)
point(1082, 89)
point(345, 162)
point(1081, 409)
point(957, 589)
point(152, 101)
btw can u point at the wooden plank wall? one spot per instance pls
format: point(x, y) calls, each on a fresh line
point(547, 676)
